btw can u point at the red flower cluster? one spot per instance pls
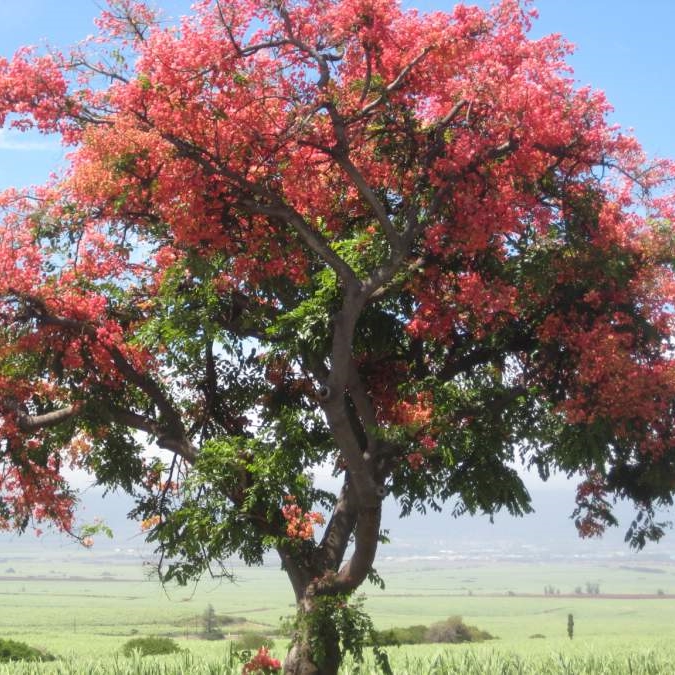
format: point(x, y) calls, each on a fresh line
point(261, 664)
point(150, 523)
point(417, 413)
point(300, 525)
point(416, 460)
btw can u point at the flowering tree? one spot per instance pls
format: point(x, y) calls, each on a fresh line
point(329, 232)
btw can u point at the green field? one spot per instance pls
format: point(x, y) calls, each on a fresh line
point(83, 607)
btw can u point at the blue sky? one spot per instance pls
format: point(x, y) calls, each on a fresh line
point(622, 48)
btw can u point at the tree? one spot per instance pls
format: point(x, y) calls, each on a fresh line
point(337, 233)
point(210, 621)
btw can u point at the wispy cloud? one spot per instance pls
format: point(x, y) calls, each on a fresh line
point(16, 141)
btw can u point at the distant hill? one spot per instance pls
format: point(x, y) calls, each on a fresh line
point(549, 533)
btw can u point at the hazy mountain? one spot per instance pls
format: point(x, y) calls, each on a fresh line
point(549, 533)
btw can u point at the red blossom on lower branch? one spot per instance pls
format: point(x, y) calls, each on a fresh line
point(416, 460)
point(150, 523)
point(300, 525)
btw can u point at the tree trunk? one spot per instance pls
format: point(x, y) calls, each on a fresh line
point(300, 661)
point(316, 644)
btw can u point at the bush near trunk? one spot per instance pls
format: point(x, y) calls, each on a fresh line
point(253, 641)
point(452, 630)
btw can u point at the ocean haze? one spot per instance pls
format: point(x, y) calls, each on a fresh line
point(548, 534)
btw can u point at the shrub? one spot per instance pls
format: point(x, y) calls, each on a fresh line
point(454, 630)
point(253, 642)
point(150, 646)
point(410, 635)
point(11, 650)
point(385, 638)
point(592, 588)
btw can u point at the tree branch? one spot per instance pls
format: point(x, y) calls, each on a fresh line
point(153, 428)
point(394, 84)
point(173, 425)
point(341, 156)
point(334, 403)
point(27, 422)
point(312, 239)
point(356, 569)
point(255, 199)
point(364, 407)
point(456, 364)
point(339, 529)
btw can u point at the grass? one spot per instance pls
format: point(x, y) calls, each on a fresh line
point(87, 620)
point(407, 662)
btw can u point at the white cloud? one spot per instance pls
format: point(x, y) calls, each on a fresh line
point(16, 141)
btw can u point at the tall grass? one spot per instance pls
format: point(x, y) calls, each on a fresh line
point(500, 663)
point(443, 663)
point(184, 664)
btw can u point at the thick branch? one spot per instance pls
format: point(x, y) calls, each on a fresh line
point(153, 428)
point(29, 422)
point(383, 286)
point(359, 566)
point(456, 363)
point(298, 575)
point(148, 386)
point(338, 530)
point(367, 493)
point(346, 164)
point(255, 199)
point(364, 407)
point(311, 238)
